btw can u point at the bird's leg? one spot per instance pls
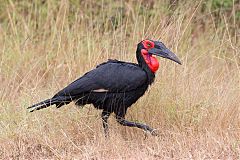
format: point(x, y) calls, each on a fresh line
point(105, 116)
point(122, 121)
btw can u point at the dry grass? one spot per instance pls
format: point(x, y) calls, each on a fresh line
point(195, 106)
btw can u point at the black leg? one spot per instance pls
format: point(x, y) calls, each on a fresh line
point(105, 116)
point(122, 121)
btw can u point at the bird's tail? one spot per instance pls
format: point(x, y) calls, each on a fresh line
point(44, 104)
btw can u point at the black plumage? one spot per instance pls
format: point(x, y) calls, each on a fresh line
point(112, 86)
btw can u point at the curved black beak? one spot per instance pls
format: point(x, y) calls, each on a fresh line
point(162, 51)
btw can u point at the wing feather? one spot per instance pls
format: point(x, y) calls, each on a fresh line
point(113, 76)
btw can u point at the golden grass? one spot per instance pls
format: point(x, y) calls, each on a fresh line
point(195, 107)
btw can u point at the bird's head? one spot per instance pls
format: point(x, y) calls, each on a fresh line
point(148, 48)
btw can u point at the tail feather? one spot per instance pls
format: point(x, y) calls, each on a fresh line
point(43, 104)
point(56, 100)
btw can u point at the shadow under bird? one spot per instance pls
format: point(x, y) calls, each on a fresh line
point(114, 86)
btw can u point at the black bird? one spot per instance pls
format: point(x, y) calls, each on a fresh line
point(113, 86)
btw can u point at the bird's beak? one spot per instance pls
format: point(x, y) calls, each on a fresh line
point(164, 52)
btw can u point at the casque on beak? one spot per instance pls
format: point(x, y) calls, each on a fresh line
point(161, 50)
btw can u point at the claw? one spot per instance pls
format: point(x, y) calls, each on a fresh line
point(33, 109)
point(153, 132)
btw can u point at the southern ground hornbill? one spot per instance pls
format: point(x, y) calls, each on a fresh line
point(115, 85)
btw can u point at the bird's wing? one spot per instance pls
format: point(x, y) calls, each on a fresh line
point(111, 76)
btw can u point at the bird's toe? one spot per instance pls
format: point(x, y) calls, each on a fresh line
point(154, 132)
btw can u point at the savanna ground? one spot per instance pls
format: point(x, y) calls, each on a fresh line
point(45, 45)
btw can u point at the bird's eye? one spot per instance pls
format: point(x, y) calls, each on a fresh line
point(148, 44)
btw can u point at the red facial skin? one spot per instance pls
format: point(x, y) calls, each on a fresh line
point(151, 61)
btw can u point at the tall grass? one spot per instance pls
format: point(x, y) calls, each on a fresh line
point(45, 45)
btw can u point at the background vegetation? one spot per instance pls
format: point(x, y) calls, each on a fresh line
point(46, 44)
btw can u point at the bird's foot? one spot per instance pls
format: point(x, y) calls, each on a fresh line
point(153, 132)
point(106, 133)
point(31, 109)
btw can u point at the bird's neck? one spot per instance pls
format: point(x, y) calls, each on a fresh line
point(148, 64)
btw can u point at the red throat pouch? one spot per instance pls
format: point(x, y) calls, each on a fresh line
point(152, 62)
